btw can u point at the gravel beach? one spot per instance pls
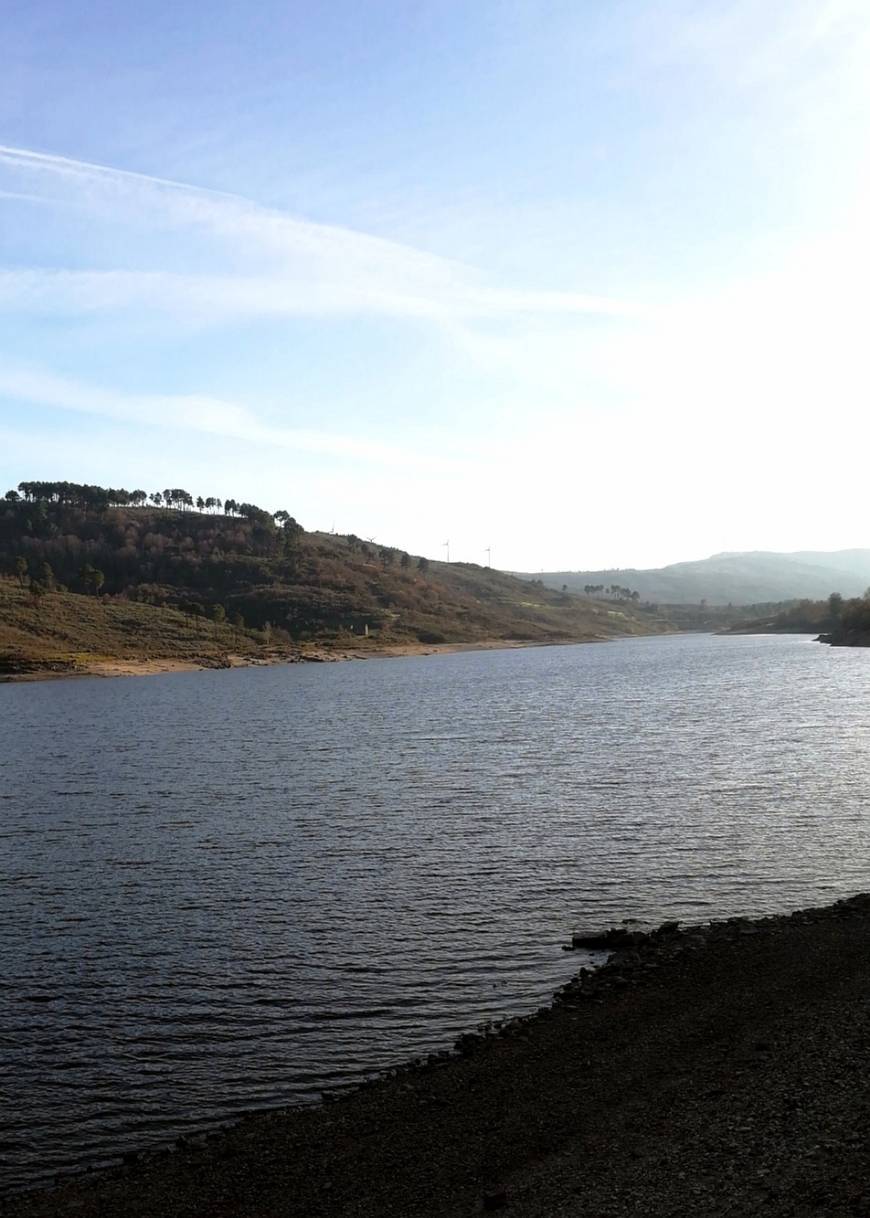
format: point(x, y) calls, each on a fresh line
point(722, 1070)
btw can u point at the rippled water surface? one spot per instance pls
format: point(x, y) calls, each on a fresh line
point(226, 890)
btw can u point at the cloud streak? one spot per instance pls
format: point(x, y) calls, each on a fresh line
point(204, 414)
point(291, 267)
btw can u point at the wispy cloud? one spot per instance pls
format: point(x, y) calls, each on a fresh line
point(217, 297)
point(201, 413)
point(19, 196)
point(294, 267)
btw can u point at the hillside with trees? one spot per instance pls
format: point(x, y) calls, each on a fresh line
point(836, 620)
point(848, 621)
point(240, 578)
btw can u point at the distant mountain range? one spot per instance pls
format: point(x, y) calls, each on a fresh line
point(751, 578)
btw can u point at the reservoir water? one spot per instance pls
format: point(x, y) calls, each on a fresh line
point(223, 891)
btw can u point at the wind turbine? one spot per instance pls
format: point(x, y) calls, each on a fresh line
point(488, 553)
point(447, 548)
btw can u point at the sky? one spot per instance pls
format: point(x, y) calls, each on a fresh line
point(580, 283)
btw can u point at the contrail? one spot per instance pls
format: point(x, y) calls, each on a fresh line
point(391, 276)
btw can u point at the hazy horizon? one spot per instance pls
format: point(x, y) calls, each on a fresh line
point(579, 283)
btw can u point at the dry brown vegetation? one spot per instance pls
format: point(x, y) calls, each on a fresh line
point(110, 581)
point(63, 632)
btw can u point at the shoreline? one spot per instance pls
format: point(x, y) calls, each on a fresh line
point(722, 1068)
point(62, 670)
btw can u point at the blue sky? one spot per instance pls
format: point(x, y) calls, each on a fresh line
point(582, 282)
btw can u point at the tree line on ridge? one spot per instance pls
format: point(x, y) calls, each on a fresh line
point(210, 557)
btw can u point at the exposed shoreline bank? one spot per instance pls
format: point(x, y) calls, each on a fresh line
point(306, 653)
point(722, 1069)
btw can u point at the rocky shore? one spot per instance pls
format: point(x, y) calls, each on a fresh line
point(718, 1070)
point(846, 638)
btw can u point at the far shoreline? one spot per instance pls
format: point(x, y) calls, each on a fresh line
point(307, 654)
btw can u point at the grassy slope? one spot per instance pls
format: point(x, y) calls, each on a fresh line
point(455, 604)
point(466, 603)
point(66, 632)
point(306, 590)
point(336, 590)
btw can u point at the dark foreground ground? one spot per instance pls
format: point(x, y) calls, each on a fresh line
point(700, 1073)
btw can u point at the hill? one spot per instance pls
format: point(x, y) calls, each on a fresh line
point(98, 572)
point(751, 578)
